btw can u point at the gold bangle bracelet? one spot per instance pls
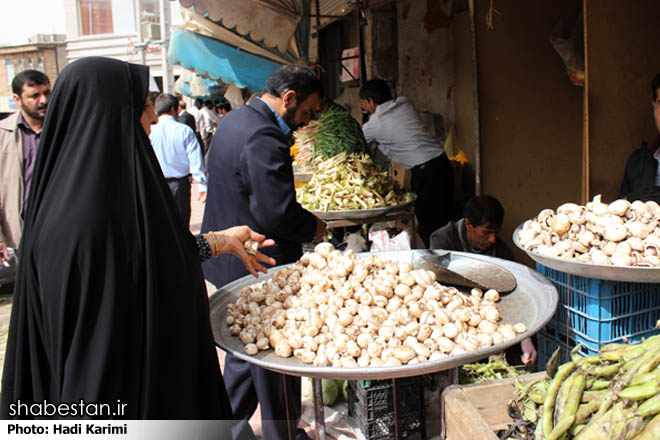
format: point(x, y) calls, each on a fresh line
point(215, 244)
point(207, 237)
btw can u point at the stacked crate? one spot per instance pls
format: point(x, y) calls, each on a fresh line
point(593, 312)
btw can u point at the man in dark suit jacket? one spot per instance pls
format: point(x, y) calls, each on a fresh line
point(251, 182)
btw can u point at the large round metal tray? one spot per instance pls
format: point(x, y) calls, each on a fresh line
point(533, 303)
point(355, 214)
point(590, 270)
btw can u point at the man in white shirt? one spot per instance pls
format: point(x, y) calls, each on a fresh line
point(196, 111)
point(401, 135)
point(178, 153)
point(211, 121)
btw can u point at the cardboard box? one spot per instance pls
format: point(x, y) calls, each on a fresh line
point(401, 176)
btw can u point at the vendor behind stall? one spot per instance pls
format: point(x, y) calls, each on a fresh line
point(641, 180)
point(477, 233)
point(400, 134)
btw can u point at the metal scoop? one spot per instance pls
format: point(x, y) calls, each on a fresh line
point(464, 271)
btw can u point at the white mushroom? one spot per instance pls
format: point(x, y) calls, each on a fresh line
point(568, 208)
point(620, 259)
point(560, 224)
point(492, 295)
point(324, 249)
point(251, 349)
point(283, 348)
point(520, 327)
point(615, 232)
point(619, 207)
point(450, 330)
point(598, 256)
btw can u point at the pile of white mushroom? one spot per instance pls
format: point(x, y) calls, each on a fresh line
point(620, 233)
point(337, 309)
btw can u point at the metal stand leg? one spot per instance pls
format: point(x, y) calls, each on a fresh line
point(398, 428)
point(319, 413)
point(288, 402)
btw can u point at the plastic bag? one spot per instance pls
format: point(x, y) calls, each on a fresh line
point(379, 235)
point(356, 242)
point(570, 49)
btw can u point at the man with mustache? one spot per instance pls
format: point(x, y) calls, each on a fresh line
point(251, 182)
point(19, 140)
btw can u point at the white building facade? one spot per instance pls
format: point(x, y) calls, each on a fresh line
point(108, 28)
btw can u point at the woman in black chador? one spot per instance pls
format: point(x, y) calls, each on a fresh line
point(110, 303)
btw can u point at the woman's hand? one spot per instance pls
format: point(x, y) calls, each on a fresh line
point(233, 240)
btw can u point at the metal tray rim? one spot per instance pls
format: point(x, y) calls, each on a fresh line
point(349, 214)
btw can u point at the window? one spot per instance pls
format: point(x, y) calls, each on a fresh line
point(40, 65)
point(9, 65)
point(150, 7)
point(30, 65)
point(96, 17)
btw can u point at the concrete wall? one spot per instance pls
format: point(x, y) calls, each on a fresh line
point(463, 99)
point(408, 43)
point(622, 59)
point(381, 43)
point(530, 114)
point(425, 55)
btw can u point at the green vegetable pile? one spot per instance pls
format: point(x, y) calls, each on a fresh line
point(349, 181)
point(482, 372)
point(614, 394)
point(336, 131)
point(339, 132)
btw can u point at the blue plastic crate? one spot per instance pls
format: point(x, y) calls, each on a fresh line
point(594, 312)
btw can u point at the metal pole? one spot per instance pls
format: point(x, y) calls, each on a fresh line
point(289, 395)
point(138, 28)
point(398, 428)
point(585, 190)
point(475, 100)
point(318, 18)
point(359, 10)
point(168, 80)
point(319, 410)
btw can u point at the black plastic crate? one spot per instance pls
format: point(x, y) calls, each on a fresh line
point(372, 407)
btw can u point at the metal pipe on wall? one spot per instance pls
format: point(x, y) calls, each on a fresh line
point(475, 102)
point(138, 28)
point(585, 190)
point(168, 78)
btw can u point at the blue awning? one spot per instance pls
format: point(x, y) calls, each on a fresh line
point(208, 57)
